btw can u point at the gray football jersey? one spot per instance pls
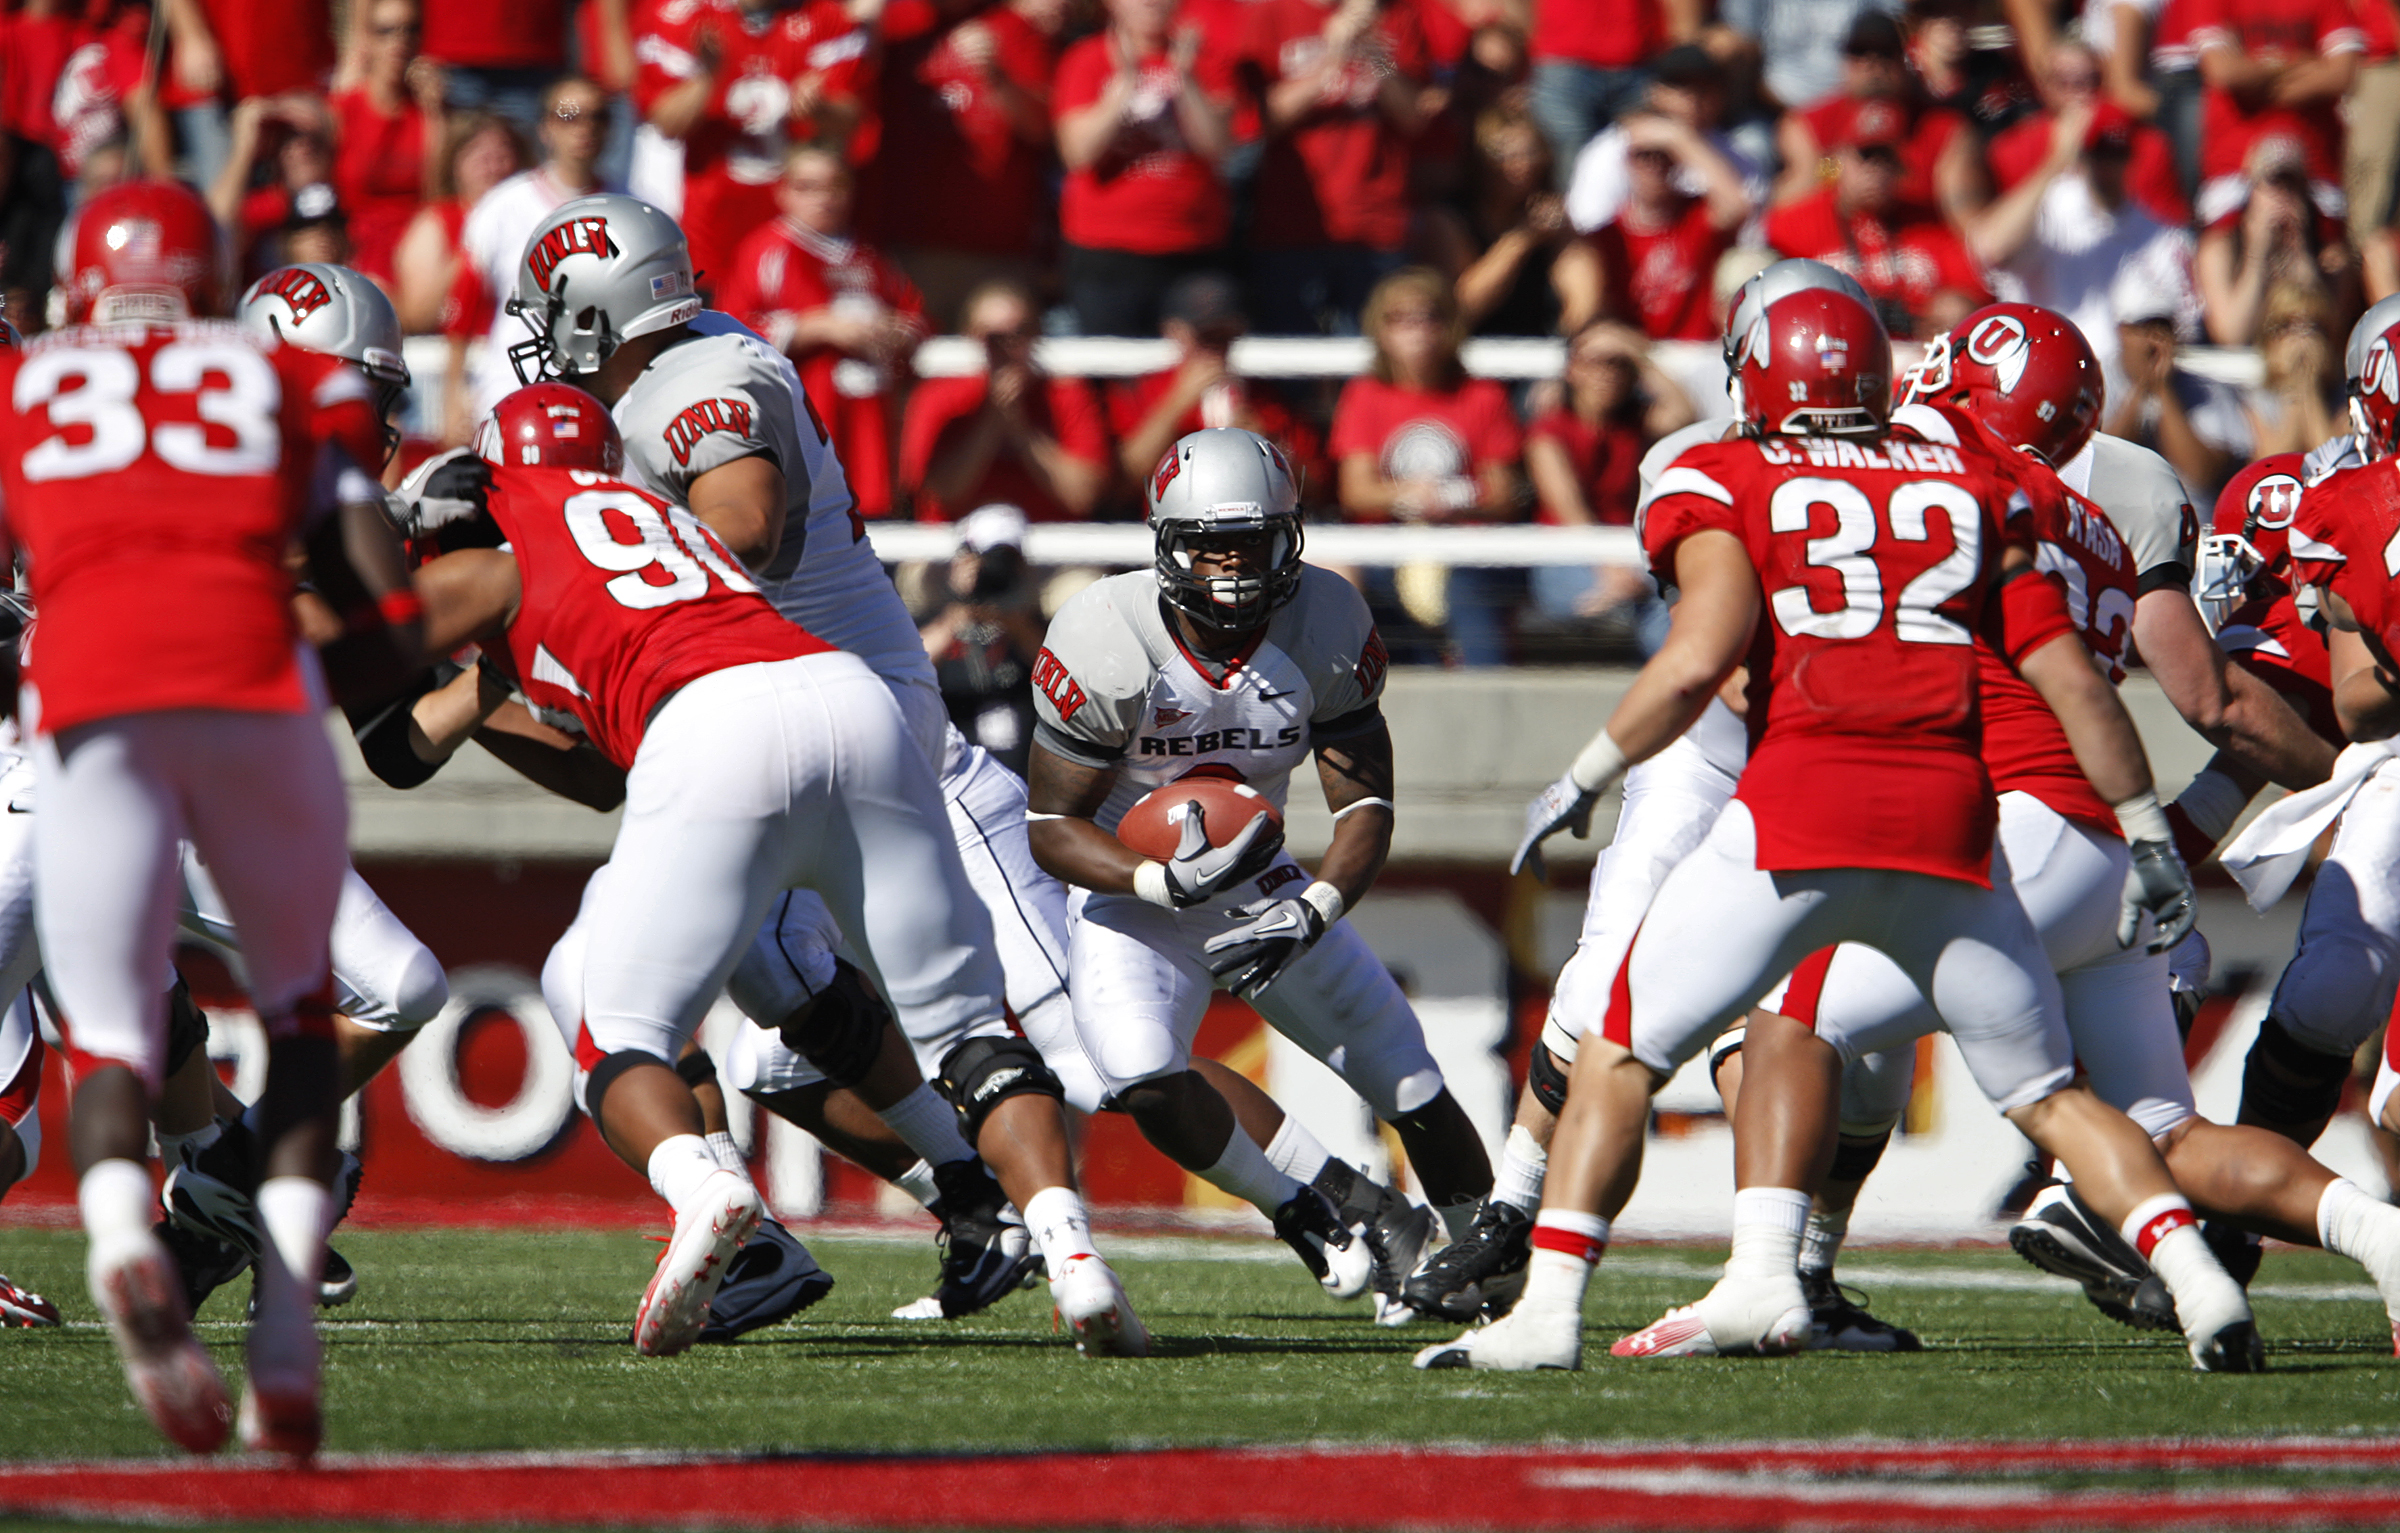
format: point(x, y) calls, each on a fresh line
point(1114, 686)
point(2146, 503)
point(725, 395)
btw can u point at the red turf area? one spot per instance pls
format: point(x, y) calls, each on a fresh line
point(1935, 1486)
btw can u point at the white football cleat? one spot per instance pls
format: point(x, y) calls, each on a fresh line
point(721, 1215)
point(280, 1411)
point(171, 1374)
point(24, 1307)
point(1737, 1318)
point(1092, 1303)
point(1517, 1342)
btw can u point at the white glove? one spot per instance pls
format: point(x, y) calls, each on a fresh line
point(2158, 883)
point(1564, 805)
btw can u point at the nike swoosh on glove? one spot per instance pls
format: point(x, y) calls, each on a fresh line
point(2158, 883)
point(1200, 872)
point(1564, 805)
point(452, 487)
point(1272, 936)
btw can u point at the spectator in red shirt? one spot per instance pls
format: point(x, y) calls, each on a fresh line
point(2273, 68)
point(1142, 124)
point(224, 52)
point(1587, 63)
point(481, 151)
point(1010, 433)
point(1343, 84)
point(1941, 159)
point(1420, 441)
point(1517, 265)
point(1203, 318)
point(2021, 149)
point(2373, 120)
point(499, 55)
point(1584, 457)
point(292, 135)
point(967, 110)
point(1919, 272)
point(844, 314)
point(738, 81)
point(1658, 256)
point(103, 94)
point(388, 130)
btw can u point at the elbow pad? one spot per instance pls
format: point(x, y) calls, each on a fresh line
point(382, 735)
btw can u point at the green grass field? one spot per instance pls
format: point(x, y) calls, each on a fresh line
point(475, 1340)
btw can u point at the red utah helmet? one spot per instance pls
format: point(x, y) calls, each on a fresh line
point(2371, 358)
point(2023, 370)
point(551, 425)
point(144, 250)
point(1815, 363)
point(9, 339)
point(2249, 538)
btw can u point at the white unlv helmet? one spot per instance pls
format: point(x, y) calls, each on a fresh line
point(336, 311)
point(596, 273)
point(1214, 483)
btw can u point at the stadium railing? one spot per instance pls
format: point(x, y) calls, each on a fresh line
point(1696, 365)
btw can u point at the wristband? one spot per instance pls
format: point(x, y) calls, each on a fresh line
point(2212, 801)
point(1150, 882)
point(1325, 899)
point(2142, 820)
point(401, 606)
point(1383, 804)
point(1600, 764)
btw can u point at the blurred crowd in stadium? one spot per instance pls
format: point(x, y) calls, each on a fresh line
point(856, 176)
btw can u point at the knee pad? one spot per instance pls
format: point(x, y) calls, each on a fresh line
point(1546, 1080)
point(423, 991)
point(2334, 992)
point(981, 1073)
point(2285, 1083)
point(187, 1025)
point(604, 1075)
point(1728, 1044)
point(1854, 1155)
point(843, 1031)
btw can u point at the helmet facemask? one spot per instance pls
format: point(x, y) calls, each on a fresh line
point(1229, 604)
point(2221, 581)
point(557, 349)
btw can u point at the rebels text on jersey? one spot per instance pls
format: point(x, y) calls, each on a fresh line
point(626, 600)
point(1115, 686)
point(155, 476)
point(1878, 565)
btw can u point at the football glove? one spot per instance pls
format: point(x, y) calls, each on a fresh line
point(2158, 883)
point(1564, 805)
point(452, 487)
point(1199, 872)
point(1271, 938)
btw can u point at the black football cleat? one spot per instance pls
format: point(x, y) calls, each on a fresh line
point(2062, 1236)
point(1839, 1322)
point(1479, 1274)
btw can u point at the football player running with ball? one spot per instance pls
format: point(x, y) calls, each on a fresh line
point(1232, 656)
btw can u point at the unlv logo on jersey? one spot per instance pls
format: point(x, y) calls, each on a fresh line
point(1999, 343)
point(698, 420)
point(1064, 693)
point(2274, 501)
point(577, 236)
point(299, 289)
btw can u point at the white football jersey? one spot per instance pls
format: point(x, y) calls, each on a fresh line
point(725, 395)
point(2146, 503)
point(1114, 686)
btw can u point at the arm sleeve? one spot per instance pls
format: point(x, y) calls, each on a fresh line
point(382, 733)
point(2024, 614)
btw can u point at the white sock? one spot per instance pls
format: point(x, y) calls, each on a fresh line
point(1244, 1172)
point(1566, 1247)
point(171, 1146)
point(728, 1153)
point(678, 1166)
point(294, 1211)
point(1060, 1228)
point(917, 1181)
point(928, 1124)
point(1822, 1241)
point(117, 1201)
point(1524, 1165)
point(2352, 1224)
point(1294, 1151)
point(2163, 1230)
point(1767, 1225)
point(1458, 1218)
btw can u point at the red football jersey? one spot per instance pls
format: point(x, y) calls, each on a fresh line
point(2344, 538)
point(2272, 641)
point(627, 599)
point(1877, 562)
point(155, 476)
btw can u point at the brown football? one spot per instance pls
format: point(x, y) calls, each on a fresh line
point(1154, 825)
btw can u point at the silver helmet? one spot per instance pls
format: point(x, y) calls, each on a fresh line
point(596, 273)
point(336, 311)
point(1217, 483)
point(1780, 280)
